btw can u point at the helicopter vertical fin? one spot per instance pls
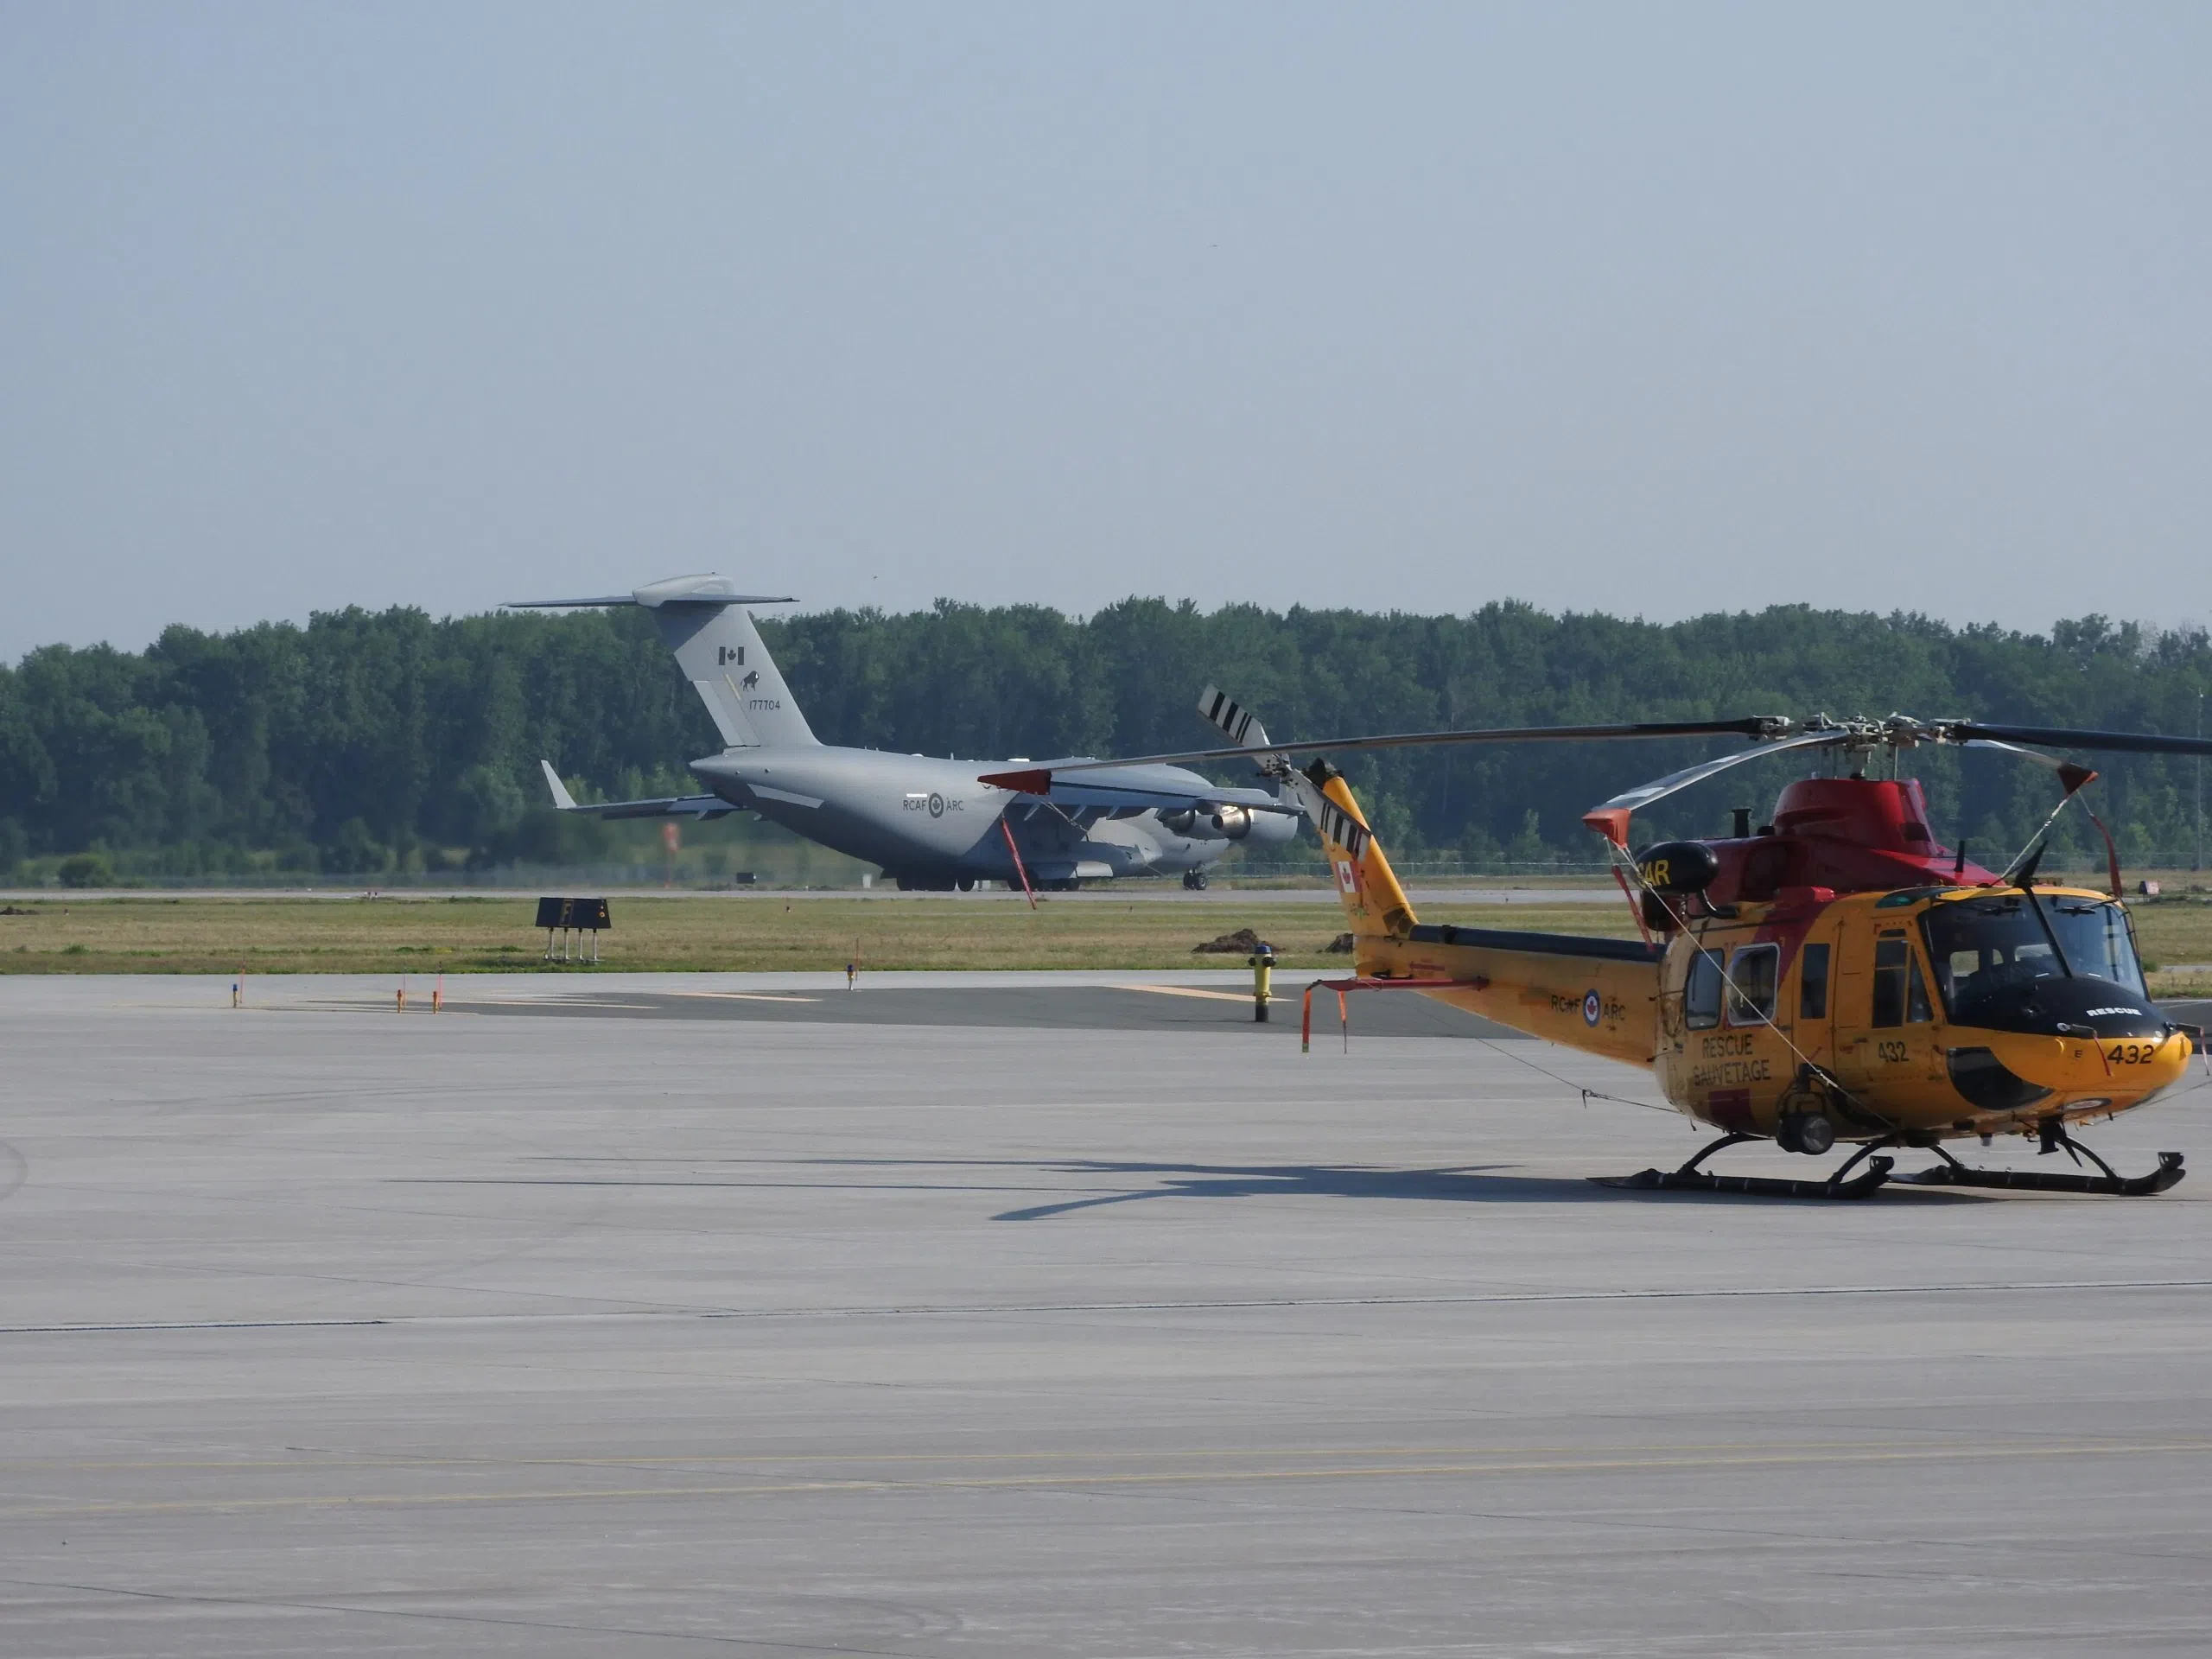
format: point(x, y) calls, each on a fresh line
point(1366, 886)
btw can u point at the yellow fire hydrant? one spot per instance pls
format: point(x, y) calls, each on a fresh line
point(1262, 963)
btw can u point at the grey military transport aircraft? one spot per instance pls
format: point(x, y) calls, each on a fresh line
point(929, 823)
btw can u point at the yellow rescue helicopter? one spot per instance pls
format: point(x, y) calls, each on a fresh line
point(1833, 975)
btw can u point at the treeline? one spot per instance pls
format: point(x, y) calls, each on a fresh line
point(364, 743)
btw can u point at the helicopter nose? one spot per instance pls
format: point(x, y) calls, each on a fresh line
point(2132, 1067)
point(2082, 1007)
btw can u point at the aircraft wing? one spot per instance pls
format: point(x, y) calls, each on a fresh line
point(668, 806)
point(1135, 789)
point(1072, 795)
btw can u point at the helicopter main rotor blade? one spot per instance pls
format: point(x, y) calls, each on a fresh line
point(1757, 727)
point(2061, 737)
point(1611, 818)
point(2069, 775)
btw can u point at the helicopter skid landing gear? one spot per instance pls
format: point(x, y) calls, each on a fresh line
point(1952, 1173)
point(1690, 1179)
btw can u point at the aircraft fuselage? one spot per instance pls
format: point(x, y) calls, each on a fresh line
point(928, 821)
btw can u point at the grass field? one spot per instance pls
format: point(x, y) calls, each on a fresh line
point(767, 932)
point(752, 933)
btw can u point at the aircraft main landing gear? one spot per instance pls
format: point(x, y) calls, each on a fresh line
point(1690, 1179)
point(1952, 1173)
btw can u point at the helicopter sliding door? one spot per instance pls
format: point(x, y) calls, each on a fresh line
point(1884, 1018)
point(1813, 996)
point(1725, 1048)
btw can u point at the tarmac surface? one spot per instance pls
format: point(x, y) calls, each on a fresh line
point(543, 1328)
point(1216, 1000)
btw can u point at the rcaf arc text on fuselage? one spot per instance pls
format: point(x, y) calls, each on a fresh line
point(928, 823)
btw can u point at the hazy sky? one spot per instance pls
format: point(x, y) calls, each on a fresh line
point(1653, 309)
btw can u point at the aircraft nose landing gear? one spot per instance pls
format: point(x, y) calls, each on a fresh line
point(1194, 880)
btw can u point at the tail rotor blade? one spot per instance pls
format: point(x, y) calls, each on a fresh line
point(1239, 724)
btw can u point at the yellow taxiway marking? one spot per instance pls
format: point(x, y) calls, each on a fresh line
point(403, 1460)
point(1186, 990)
point(530, 1003)
point(308, 1464)
point(1570, 1465)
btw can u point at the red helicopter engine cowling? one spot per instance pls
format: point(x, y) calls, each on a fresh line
point(1850, 835)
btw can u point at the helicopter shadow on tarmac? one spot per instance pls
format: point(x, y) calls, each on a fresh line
point(1466, 1183)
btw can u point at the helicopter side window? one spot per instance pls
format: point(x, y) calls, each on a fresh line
point(1752, 972)
point(1890, 959)
point(1702, 999)
point(1813, 983)
point(1917, 1011)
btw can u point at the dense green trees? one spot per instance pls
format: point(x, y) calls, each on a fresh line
point(363, 743)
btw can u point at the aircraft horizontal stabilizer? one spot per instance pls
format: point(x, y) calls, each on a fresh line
point(631, 599)
point(676, 590)
point(567, 604)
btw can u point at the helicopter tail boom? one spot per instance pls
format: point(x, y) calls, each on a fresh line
point(1590, 993)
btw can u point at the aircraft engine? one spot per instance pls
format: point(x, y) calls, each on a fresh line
point(1224, 822)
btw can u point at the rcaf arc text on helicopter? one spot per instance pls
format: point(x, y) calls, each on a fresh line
point(928, 823)
point(1837, 975)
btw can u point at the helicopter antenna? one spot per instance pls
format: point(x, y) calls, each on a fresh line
point(2075, 780)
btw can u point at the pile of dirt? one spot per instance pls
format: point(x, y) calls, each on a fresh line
point(1339, 946)
point(1242, 942)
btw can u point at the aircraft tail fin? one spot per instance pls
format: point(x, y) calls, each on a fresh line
point(703, 621)
point(1374, 902)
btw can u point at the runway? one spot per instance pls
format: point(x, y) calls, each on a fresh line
point(686, 1324)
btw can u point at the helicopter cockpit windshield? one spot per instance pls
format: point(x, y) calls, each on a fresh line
point(1985, 950)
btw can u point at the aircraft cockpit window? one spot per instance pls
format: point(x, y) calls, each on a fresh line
point(2096, 939)
point(1982, 947)
point(1702, 999)
point(1752, 975)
